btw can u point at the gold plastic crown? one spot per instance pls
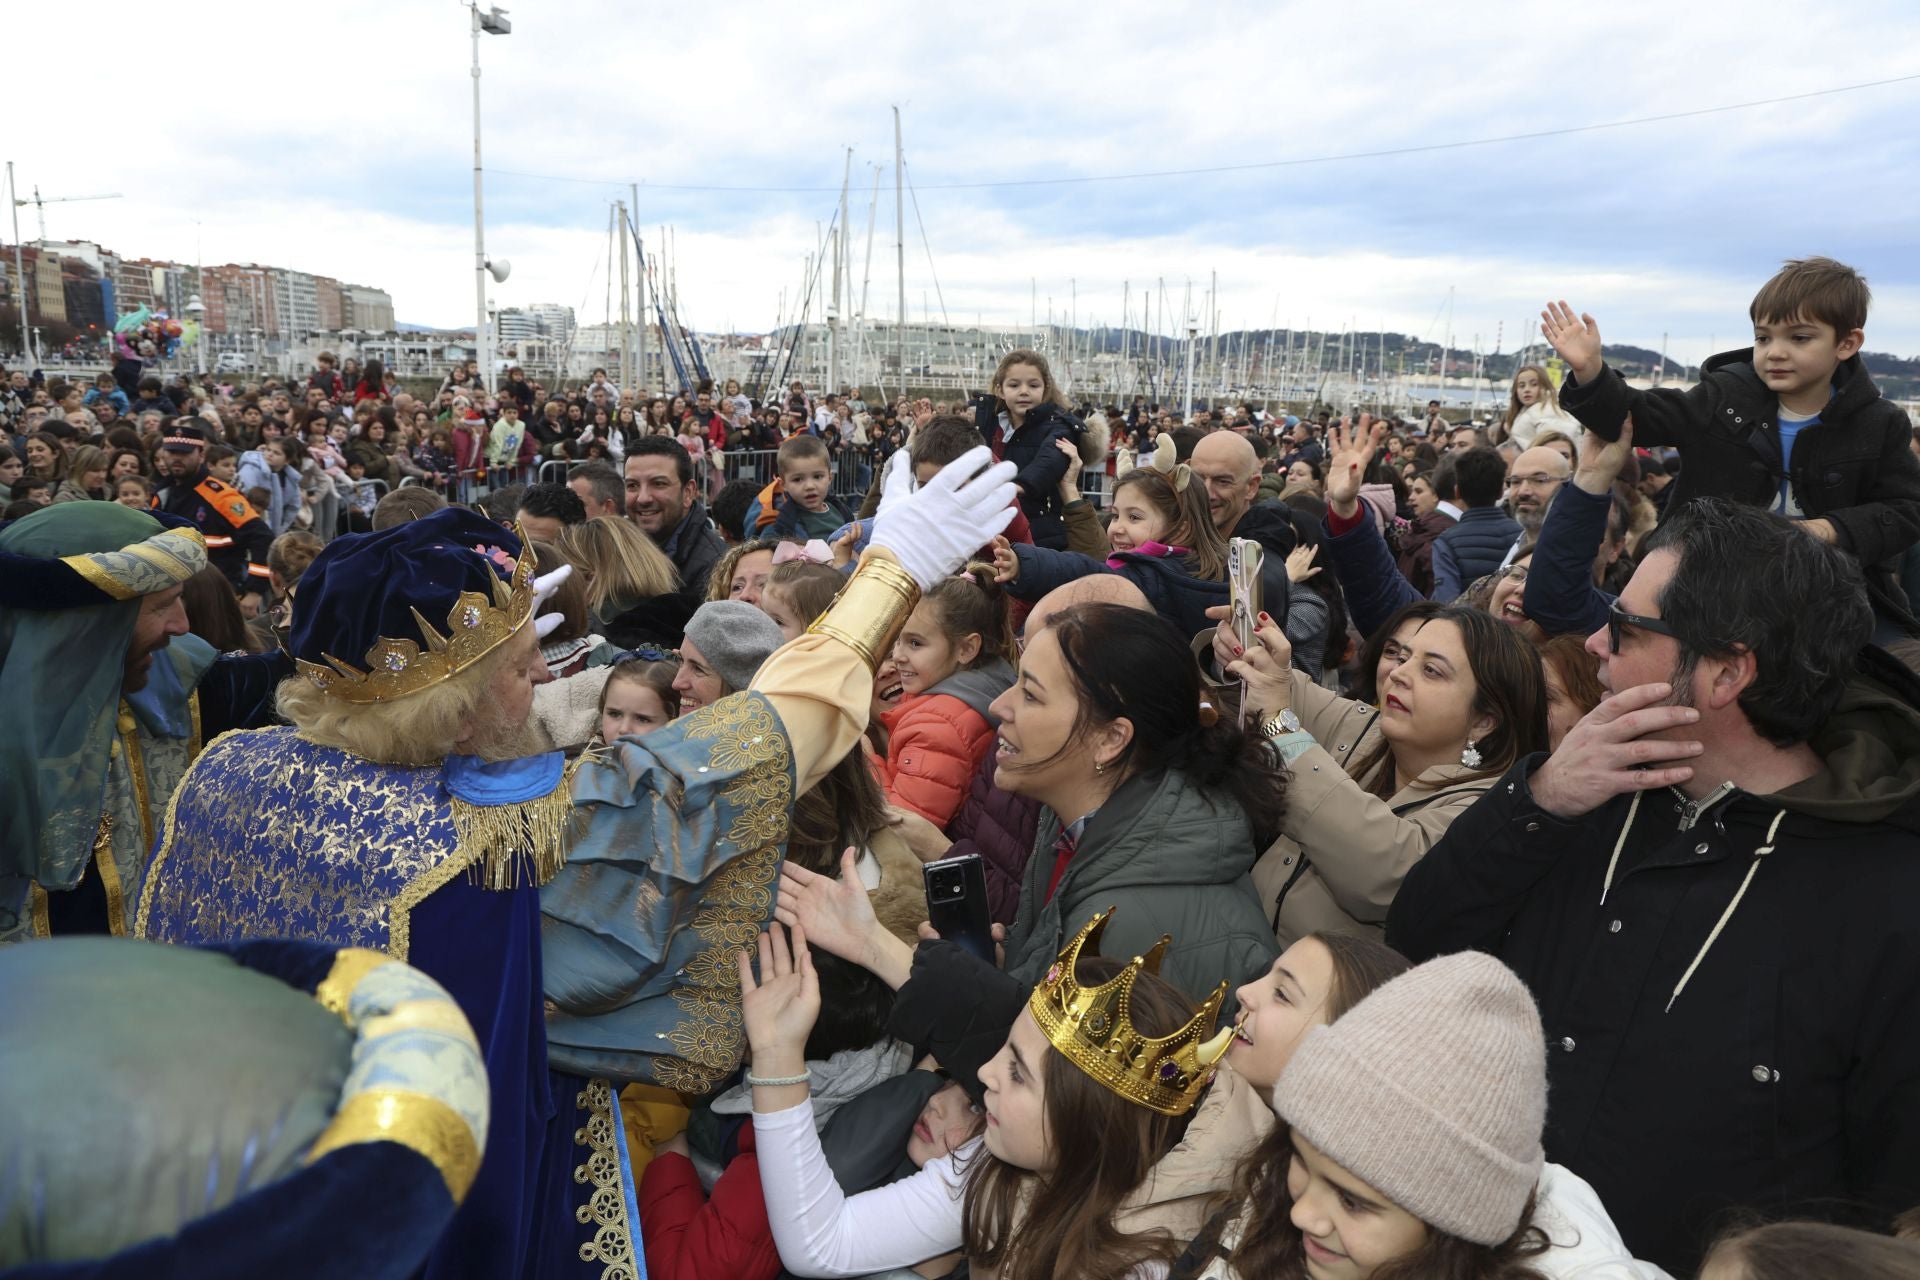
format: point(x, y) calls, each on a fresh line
point(1092, 1026)
point(476, 626)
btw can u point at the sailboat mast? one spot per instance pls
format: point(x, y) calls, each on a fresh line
point(839, 254)
point(900, 248)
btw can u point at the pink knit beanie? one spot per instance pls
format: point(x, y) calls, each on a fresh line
point(1433, 1090)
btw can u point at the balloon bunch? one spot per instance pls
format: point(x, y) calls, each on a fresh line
point(147, 335)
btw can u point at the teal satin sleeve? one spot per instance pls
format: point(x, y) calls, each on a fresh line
point(674, 873)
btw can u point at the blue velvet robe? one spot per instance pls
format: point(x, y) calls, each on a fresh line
point(673, 869)
point(271, 835)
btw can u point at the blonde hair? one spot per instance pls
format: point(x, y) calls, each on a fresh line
point(621, 564)
point(86, 458)
point(721, 583)
point(1548, 393)
point(420, 729)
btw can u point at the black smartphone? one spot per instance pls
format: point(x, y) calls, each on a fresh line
point(957, 903)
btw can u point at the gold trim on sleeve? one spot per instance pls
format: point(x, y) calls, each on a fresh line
point(37, 898)
point(350, 964)
point(137, 770)
point(414, 1120)
point(871, 609)
point(110, 878)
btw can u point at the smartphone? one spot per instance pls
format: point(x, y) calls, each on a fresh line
point(1245, 557)
point(957, 903)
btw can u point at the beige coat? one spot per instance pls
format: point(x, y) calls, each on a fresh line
point(1343, 851)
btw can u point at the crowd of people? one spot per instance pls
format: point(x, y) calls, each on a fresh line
point(1413, 847)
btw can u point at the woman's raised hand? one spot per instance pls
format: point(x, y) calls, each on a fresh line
point(779, 1008)
point(1070, 479)
point(1350, 451)
point(1300, 565)
point(1265, 666)
point(836, 914)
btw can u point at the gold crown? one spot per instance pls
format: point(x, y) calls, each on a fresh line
point(476, 626)
point(1092, 1026)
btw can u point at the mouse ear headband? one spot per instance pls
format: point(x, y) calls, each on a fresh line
point(1165, 461)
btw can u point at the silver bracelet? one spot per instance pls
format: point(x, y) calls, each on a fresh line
point(772, 1081)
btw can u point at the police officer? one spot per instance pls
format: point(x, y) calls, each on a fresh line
point(237, 536)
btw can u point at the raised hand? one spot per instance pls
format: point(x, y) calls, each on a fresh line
point(837, 914)
point(898, 481)
point(781, 1006)
point(1264, 668)
point(1575, 337)
point(1601, 460)
point(1070, 481)
point(1300, 565)
point(843, 548)
point(1350, 452)
point(1006, 564)
point(935, 529)
point(1612, 751)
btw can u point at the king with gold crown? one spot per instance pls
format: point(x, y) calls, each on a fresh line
point(585, 919)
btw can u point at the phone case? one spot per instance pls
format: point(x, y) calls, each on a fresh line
point(1245, 557)
point(957, 903)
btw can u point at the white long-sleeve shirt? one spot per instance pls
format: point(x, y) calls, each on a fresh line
point(822, 1231)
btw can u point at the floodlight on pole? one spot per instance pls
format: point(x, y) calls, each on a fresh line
point(493, 22)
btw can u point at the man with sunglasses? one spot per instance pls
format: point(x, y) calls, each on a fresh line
point(1709, 889)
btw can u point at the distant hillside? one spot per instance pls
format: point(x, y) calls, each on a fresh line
point(1897, 377)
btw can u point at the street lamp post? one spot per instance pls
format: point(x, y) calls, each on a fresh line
point(494, 23)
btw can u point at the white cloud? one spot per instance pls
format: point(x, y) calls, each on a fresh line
point(336, 138)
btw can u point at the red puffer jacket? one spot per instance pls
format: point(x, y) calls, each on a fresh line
point(689, 1237)
point(934, 740)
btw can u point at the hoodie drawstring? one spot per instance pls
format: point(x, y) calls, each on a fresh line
point(1765, 849)
point(1633, 811)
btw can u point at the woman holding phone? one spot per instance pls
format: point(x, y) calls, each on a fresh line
point(1150, 802)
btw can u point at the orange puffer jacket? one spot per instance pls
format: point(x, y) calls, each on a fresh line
point(936, 738)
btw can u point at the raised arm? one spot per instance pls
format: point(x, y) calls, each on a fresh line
point(1560, 594)
point(1601, 399)
point(819, 1229)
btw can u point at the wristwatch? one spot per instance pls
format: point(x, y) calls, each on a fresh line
point(1281, 722)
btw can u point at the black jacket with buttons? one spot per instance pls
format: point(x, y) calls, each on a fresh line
point(1855, 467)
point(1785, 1074)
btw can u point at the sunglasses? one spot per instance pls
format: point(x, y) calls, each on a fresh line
point(1619, 620)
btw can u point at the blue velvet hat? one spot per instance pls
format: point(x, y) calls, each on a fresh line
point(378, 616)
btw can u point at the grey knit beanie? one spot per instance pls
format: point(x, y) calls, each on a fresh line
point(1433, 1090)
point(734, 638)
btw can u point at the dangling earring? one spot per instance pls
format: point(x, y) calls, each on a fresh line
point(1470, 755)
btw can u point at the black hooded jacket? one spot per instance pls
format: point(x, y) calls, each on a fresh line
point(1732, 1003)
point(1855, 467)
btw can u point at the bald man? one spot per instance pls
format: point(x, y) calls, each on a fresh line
point(999, 825)
point(1532, 480)
point(1226, 462)
point(1095, 588)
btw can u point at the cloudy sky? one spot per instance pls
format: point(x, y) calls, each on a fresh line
point(336, 137)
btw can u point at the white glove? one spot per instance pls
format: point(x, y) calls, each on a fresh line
point(934, 530)
point(545, 624)
point(545, 585)
point(898, 482)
